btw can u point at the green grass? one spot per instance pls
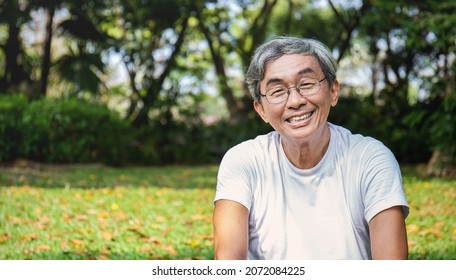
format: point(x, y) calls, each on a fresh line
point(94, 212)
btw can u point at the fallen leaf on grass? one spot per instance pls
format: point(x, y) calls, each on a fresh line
point(64, 245)
point(105, 252)
point(413, 228)
point(43, 222)
point(199, 217)
point(103, 215)
point(29, 237)
point(151, 240)
point(5, 237)
point(439, 224)
point(81, 217)
point(103, 257)
point(81, 231)
point(431, 231)
point(192, 243)
point(170, 250)
point(155, 226)
point(16, 220)
point(106, 235)
point(160, 219)
point(146, 248)
point(77, 243)
point(43, 247)
point(204, 237)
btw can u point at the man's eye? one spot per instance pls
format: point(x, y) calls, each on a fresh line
point(306, 85)
point(277, 92)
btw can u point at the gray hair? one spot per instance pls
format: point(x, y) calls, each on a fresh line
point(280, 46)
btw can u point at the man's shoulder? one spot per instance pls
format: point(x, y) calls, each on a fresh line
point(357, 146)
point(354, 140)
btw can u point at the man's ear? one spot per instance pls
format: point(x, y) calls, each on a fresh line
point(260, 110)
point(335, 87)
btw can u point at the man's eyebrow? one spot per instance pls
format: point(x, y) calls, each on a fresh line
point(273, 80)
point(306, 70)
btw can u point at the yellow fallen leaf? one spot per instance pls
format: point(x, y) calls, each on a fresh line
point(198, 217)
point(434, 232)
point(439, 224)
point(5, 237)
point(29, 237)
point(106, 235)
point(103, 257)
point(413, 228)
point(192, 243)
point(160, 219)
point(43, 247)
point(145, 249)
point(151, 240)
point(81, 217)
point(81, 231)
point(170, 250)
point(77, 243)
point(105, 252)
point(103, 214)
point(64, 245)
point(114, 206)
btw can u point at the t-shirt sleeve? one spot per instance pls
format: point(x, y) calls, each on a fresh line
point(382, 181)
point(234, 177)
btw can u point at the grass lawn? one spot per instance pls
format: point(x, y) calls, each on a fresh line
point(96, 212)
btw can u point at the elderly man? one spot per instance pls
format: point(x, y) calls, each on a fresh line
point(309, 189)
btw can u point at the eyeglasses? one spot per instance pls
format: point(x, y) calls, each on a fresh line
point(305, 87)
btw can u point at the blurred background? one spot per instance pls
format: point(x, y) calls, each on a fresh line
point(154, 82)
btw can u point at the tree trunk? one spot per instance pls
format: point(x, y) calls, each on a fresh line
point(14, 73)
point(46, 65)
point(442, 164)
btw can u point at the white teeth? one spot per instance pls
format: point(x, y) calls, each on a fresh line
point(300, 118)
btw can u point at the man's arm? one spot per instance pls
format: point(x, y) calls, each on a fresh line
point(230, 230)
point(388, 235)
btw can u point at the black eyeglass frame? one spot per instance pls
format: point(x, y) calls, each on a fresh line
point(297, 89)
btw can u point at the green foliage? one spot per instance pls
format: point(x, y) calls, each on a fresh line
point(11, 110)
point(161, 213)
point(69, 131)
point(175, 142)
point(361, 115)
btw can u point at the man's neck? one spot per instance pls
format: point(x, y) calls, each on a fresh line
point(305, 154)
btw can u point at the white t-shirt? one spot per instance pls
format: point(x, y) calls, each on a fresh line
point(317, 213)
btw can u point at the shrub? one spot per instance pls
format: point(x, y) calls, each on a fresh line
point(74, 131)
point(11, 109)
point(360, 115)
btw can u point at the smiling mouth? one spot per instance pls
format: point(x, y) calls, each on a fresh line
point(299, 118)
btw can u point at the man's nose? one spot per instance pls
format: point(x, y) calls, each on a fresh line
point(295, 99)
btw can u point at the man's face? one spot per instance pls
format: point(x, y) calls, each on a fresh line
point(298, 117)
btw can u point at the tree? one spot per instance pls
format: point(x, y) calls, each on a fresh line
point(15, 73)
point(223, 26)
point(82, 65)
point(150, 35)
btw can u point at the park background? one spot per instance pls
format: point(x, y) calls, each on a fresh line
point(115, 114)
